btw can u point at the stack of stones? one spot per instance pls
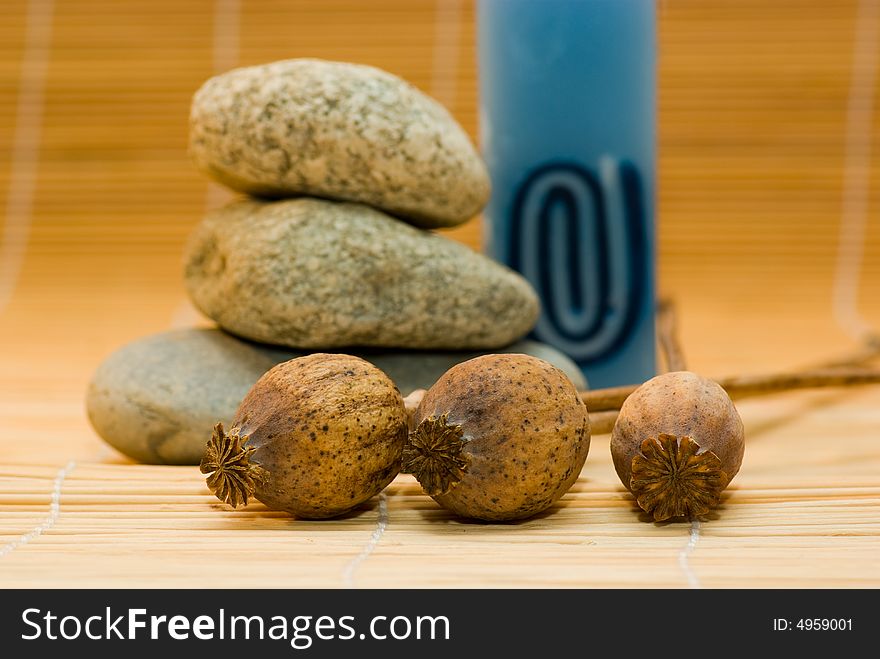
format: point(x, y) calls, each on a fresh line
point(349, 169)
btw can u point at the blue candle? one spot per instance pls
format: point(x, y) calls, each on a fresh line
point(568, 130)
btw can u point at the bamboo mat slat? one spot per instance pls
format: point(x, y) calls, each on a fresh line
point(753, 108)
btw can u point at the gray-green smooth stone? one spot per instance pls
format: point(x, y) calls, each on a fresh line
point(157, 399)
point(313, 274)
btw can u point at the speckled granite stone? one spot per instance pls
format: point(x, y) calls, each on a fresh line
point(156, 399)
point(310, 273)
point(341, 131)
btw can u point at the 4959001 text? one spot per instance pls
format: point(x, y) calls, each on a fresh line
point(813, 625)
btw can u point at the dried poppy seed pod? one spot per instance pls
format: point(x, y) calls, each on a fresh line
point(315, 436)
point(499, 437)
point(677, 443)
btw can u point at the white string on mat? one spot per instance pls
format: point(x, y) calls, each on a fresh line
point(381, 524)
point(444, 77)
point(49, 522)
point(444, 65)
point(685, 553)
point(25, 155)
point(184, 316)
point(25, 160)
point(227, 19)
point(857, 171)
point(224, 56)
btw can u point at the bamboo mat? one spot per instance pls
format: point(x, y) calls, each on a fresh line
point(99, 198)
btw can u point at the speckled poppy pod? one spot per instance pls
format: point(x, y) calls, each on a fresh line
point(677, 444)
point(316, 436)
point(499, 437)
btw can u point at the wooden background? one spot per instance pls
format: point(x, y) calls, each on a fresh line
point(99, 196)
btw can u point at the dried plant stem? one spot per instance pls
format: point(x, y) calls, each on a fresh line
point(743, 386)
point(868, 351)
point(667, 335)
point(602, 422)
point(411, 402)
